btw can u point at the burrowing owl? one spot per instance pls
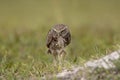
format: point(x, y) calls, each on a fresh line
point(58, 38)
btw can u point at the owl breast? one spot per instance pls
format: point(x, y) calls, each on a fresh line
point(57, 44)
point(60, 42)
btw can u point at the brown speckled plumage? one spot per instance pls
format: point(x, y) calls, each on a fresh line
point(58, 38)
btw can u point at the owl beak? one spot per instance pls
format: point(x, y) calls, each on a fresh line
point(59, 35)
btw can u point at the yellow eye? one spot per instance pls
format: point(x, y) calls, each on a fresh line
point(63, 32)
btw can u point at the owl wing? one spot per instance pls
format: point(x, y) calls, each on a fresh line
point(67, 38)
point(49, 38)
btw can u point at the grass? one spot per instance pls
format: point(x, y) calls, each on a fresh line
point(23, 54)
point(24, 25)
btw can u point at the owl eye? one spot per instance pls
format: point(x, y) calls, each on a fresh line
point(63, 32)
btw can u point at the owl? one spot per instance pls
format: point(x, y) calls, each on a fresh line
point(58, 38)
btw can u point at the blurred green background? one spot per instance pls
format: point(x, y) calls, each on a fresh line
point(94, 25)
point(35, 13)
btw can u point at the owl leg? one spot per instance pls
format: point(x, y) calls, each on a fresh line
point(61, 56)
point(55, 61)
